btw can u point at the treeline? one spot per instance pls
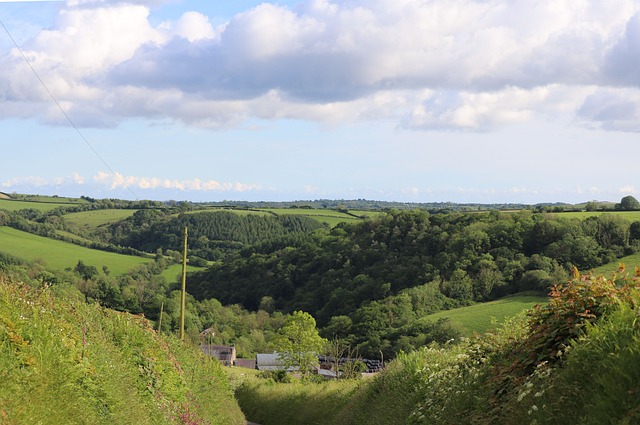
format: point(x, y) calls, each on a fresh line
point(455, 258)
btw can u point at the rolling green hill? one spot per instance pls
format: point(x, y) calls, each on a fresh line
point(59, 255)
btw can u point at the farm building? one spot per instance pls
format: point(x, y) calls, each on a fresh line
point(225, 353)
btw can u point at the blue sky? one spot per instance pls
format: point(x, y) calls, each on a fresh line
point(406, 100)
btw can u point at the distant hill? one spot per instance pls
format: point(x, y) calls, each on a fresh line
point(4, 196)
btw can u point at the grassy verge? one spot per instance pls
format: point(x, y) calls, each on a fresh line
point(67, 362)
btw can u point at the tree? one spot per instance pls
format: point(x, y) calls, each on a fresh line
point(628, 203)
point(86, 272)
point(298, 342)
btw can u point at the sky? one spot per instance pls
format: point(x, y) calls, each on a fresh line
point(470, 101)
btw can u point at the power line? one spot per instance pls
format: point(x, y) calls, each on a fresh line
point(86, 141)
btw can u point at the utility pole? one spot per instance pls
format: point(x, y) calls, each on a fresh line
point(183, 297)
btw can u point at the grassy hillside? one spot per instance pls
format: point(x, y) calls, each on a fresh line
point(67, 362)
point(93, 219)
point(482, 317)
point(60, 255)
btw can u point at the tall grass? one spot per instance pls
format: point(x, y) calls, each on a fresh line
point(270, 403)
point(67, 362)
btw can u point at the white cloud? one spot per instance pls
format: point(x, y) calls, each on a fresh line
point(461, 64)
point(119, 181)
point(194, 26)
point(627, 189)
point(137, 182)
point(29, 181)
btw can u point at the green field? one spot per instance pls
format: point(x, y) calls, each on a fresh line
point(480, 318)
point(61, 255)
point(628, 215)
point(93, 219)
point(9, 205)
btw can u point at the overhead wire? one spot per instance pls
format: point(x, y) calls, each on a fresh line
point(82, 136)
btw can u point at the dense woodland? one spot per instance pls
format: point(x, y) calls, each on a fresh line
point(368, 283)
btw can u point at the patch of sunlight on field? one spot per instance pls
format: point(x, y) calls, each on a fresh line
point(93, 219)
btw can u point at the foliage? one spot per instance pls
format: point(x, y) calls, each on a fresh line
point(628, 203)
point(607, 392)
point(211, 234)
point(472, 257)
point(298, 342)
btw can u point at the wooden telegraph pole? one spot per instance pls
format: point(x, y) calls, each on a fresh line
point(183, 297)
